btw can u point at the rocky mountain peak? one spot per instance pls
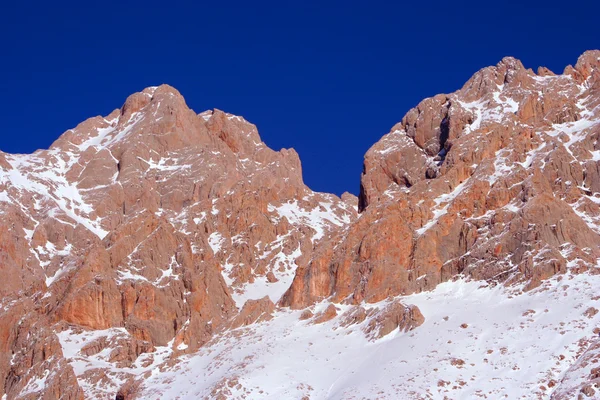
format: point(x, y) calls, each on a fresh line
point(477, 164)
point(155, 225)
point(160, 252)
point(588, 64)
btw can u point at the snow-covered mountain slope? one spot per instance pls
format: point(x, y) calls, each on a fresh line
point(478, 341)
point(156, 253)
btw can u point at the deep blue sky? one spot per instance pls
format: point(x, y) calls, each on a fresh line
point(327, 79)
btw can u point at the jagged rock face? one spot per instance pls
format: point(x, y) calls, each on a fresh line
point(582, 379)
point(498, 180)
point(32, 366)
point(156, 232)
point(154, 221)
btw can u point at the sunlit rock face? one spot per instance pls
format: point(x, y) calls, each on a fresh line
point(161, 253)
point(497, 181)
point(148, 229)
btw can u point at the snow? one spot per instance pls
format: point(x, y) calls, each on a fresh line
point(575, 131)
point(317, 218)
point(44, 173)
point(163, 280)
point(393, 141)
point(531, 155)
point(72, 343)
point(477, 108)
point(490, 111)
point(593, 222)
point(96, 141)
point(261, 288)
point(511, 344)
point(36, 385)
point(510, 347)
point(283, 267)
point(128, 275)
point(51, 279)
point(30, 174)
point(512, 208)
point(182, 346)
point(579, 374)
point(200, 219)
point(439, 212)
point(508, 105)
point(501, 168)
point(282, 263)
point(165, 164)
point(48, 252)
point(126, 129)
point(215, 241)
point(105, 137)
point(321, 218)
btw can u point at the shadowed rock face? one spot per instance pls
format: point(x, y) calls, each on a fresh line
point(143, 235)
point(498, 181)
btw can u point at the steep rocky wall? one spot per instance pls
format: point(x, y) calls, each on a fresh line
point(498, 181)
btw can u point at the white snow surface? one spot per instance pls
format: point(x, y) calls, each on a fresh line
point(215, 241)
point(31, 175)
point(512, 344)
point(318, 218)
point(438, 211)
point(284, 270)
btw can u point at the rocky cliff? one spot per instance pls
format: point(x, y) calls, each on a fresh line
point(497, 181)
point(149, 224)
point(161, 253)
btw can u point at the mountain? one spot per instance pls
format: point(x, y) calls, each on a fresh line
point(156, 253)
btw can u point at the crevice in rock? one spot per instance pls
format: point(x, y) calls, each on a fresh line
point(362, 195)
point(444, 130)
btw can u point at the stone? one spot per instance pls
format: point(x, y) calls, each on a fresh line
point(394, 316)
point(254, 311)
point(139, 232)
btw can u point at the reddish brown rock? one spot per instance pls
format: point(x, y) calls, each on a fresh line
point(136, 220)
point(492, 181)
point(154, 220)
point(394, 316)
point(355, 315)
point(254, 311)
point(326, 315)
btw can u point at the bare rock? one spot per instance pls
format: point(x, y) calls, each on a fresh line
point(254, 311)
point(326, 315)
point(394, 316)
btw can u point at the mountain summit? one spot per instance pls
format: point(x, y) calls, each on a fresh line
point(160, 253)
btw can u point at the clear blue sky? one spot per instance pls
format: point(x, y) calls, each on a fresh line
point(326, 78)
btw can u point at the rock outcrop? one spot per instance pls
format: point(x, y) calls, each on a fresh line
point(498, 181)
point(155, 221)
point(394, 316)
point(145, 235)
point(582, 379)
